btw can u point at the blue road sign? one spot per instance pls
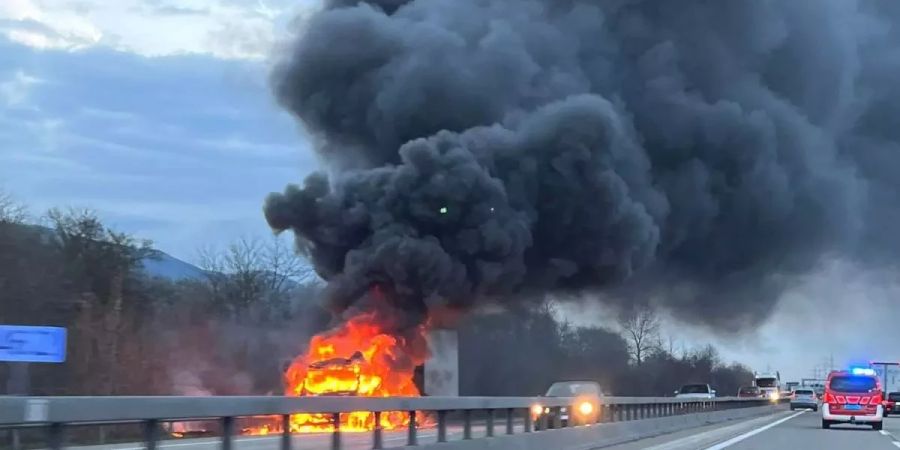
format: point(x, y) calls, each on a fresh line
point(32, 344)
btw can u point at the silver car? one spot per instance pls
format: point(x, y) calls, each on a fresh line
point(804, 399)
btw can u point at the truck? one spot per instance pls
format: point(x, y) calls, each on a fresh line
point(889, 374)
point(816, 384)
point(769, 384)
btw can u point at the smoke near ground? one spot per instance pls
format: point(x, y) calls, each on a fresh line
point(496, 150)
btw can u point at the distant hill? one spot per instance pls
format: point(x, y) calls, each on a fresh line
point(163, 265)
point(157, 264)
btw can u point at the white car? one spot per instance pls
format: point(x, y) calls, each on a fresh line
point(696, 391)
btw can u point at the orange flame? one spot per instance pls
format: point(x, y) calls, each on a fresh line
point(359, 358)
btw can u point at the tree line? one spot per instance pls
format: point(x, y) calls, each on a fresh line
point(524, 351)
point(231, 330)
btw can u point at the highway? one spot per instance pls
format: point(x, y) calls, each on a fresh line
point(799, 430)
point(314, 441)
point(783, 430)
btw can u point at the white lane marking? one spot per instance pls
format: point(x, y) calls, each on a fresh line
point(896, 444)
point(751, 433)
point(884, 432)
point(697, 440)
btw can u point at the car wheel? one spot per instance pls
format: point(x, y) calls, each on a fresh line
point(877, 426)
point(826, 424)
point(816, 409)
point(793, 409)
point(887, 415)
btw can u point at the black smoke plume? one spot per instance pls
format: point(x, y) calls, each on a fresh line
point(497, 150)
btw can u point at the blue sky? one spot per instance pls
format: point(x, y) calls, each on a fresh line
point(156, 114)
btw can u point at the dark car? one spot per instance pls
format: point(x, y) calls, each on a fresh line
point(892, 403)
point(586, 399)
point(750, 392)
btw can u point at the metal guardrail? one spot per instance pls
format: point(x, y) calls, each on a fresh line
point(56, 413)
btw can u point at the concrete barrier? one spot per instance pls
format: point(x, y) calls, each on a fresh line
point(602, 435)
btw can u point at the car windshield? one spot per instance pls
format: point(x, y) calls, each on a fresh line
point(852, 384)
point(894, 396)
point(572, 389)
point(766, 382)
point(749, 390)
point(803, 392)
point(694, 389)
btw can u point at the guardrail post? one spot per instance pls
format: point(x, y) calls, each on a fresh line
point(467, 424)
point(285, 432)
point(411, 437)
point(336, 433)
point(55, 436)
point(227, 432)
point(151, 433)
point(528, 424)
point(509, 421)
point(642, 411)
point(442, 426)
point(16, 439)
point(489, 432)
point(377, 436)
point(545, 421)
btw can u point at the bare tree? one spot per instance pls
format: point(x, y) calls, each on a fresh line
point(282, 266)
point(641, 328)
point(11, 211)
point(244, 264)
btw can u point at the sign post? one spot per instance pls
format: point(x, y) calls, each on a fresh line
point(21, 345)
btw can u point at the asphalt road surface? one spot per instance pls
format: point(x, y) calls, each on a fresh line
point(350, 441)
point(801, 430)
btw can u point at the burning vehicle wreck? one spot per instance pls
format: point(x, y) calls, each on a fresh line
point(333, 377)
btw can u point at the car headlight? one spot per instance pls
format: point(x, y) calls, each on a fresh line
point(537, 410)
point(586, 408)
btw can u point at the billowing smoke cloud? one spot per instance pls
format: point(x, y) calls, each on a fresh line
point(500, 149)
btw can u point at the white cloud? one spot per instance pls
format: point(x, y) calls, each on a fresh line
point(14, 91)
point(31, 23)
point(227, 29)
